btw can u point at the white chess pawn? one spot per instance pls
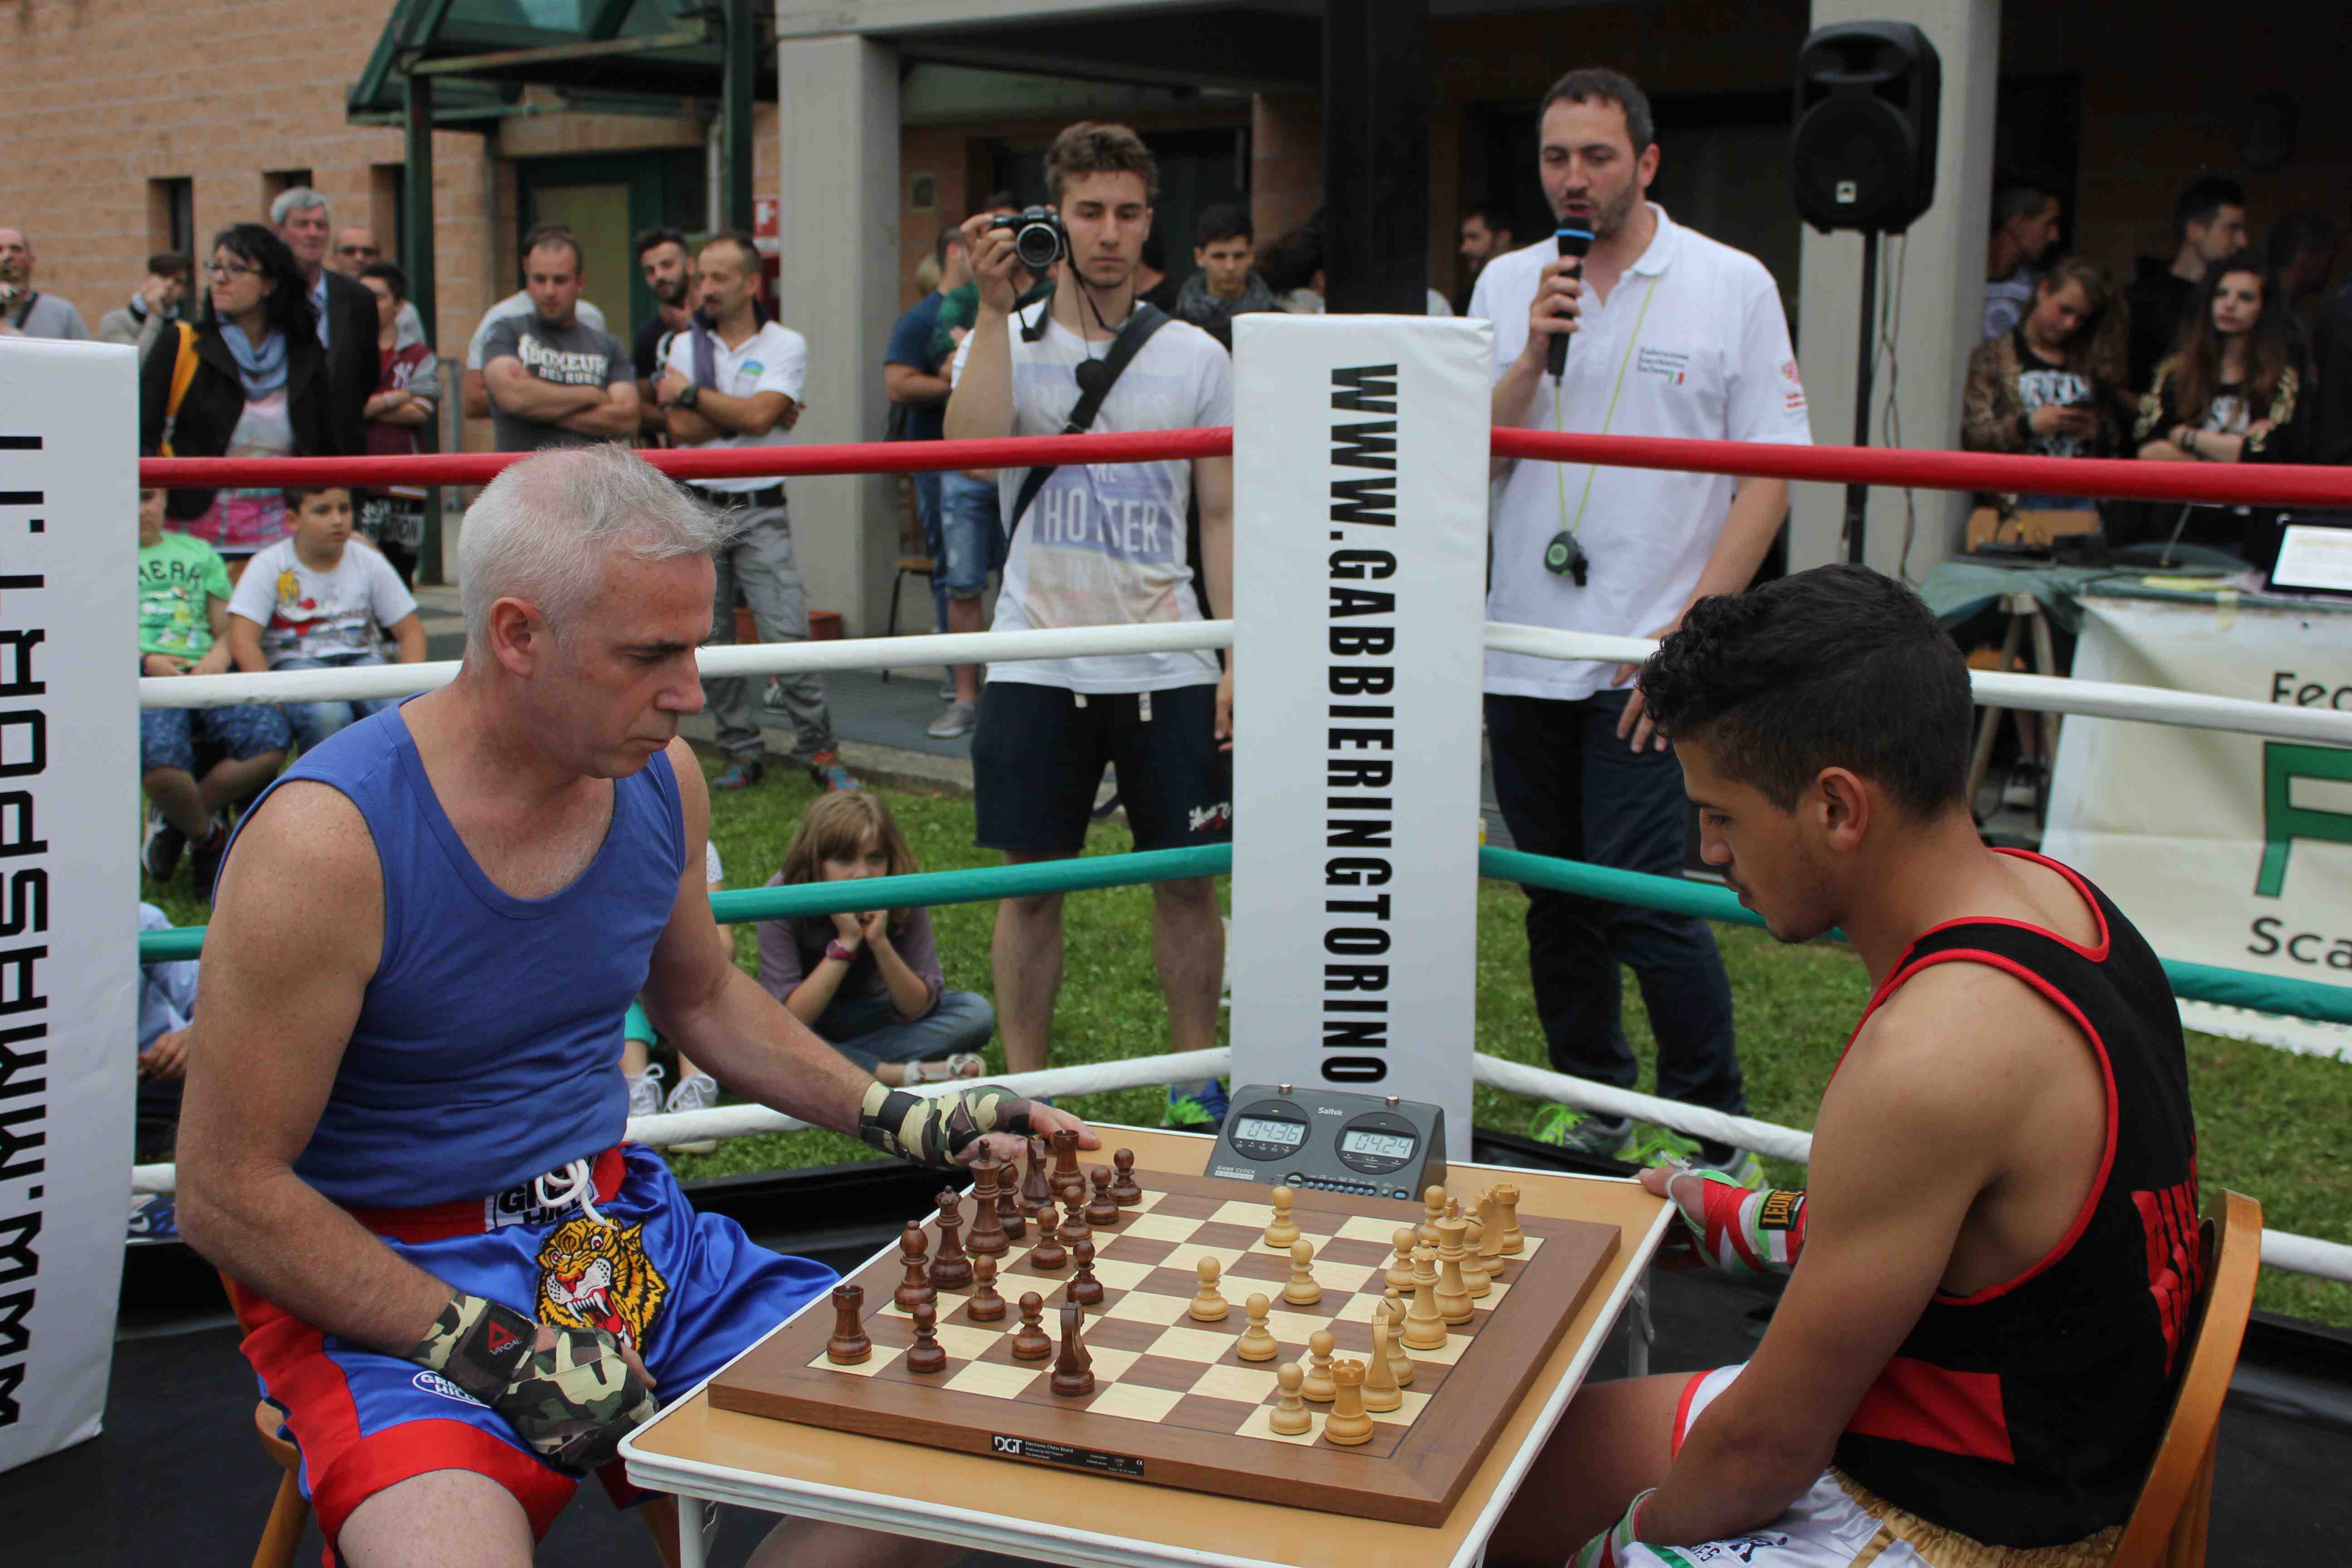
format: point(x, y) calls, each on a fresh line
point(1475, 1279)
point(1208, 1307)
point(1291, 1418)
point(1302, 1291)
point(1281, 1230)
point(1319, 1386)
point(1257, 1341)
point(1399, 1272)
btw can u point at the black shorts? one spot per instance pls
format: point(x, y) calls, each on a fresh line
point(1038, 756)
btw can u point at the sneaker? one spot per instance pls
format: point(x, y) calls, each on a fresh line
point(1661, 1146)
point(695, 1092)
point(956, 720)
point(741, 773)
point(1742, 1168)
point(826, 770)
point(1199, 1108)
point(205, 859)
point(645, 1092)
point(947, 690)
point(1580, 1132)
point(159, 852)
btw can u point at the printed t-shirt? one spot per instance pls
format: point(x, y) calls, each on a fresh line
point(1692, 343)
point(240, 522)
point(2040, 385)
point(574, 355)
point(1105, 543)
point(519, 303)
point(177, 575)
point(910, 345)
point(774, 359)
point(308, 614)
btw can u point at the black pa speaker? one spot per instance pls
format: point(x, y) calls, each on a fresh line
point(1864, 155)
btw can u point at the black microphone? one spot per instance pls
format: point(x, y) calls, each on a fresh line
point(1573, 242)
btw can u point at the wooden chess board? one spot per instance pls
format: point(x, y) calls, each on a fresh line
point(1172, 1404)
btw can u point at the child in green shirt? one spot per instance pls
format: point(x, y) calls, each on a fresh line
point(193, 761)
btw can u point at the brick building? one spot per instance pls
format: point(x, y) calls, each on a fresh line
point(138, 126)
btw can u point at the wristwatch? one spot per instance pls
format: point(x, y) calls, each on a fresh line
point(832, 949)
point(689, 394)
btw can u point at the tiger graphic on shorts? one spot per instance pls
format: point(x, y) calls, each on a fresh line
point(595, 1276)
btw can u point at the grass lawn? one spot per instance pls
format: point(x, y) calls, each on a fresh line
point(2271, 1124)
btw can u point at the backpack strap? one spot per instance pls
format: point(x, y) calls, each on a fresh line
point(1141, 322)
point(183, 372)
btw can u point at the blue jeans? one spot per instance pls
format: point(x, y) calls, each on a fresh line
point(314, 722)
point(927, 506)
point(870, 1032)
point(971, 534)
point(1571, 789)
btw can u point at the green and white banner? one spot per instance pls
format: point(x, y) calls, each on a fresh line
point(2223, 848)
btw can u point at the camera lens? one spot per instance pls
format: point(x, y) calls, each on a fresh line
point(1037, 245)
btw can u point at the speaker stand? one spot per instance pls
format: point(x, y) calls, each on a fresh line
point(1857, 494)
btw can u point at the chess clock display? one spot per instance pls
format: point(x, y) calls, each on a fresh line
point(1329, 1141)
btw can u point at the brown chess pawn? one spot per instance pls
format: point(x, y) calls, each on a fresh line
point(1084, 1289)
point(849, 1344)
point(913, 1250)
point(987, 1238)
point(1124, 1187)
point(1102, 1209)
point(1010, 1214)
point(951, 1267)
point(927, 1354)
point(1075, 1228)
point(1066, 1157)
point(1030, 1341)
point(1074, 1376)
point(1047, 1255)
point(985, 1305)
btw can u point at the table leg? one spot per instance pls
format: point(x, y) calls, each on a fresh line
point(1990, 726)
point(1640, 1332)
point(693, 1534)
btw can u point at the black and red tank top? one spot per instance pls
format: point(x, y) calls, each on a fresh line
point(2027, 1413)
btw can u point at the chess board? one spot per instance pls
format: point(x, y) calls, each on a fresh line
point(1172, 1404)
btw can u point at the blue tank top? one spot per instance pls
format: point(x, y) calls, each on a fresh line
point(487, 1049)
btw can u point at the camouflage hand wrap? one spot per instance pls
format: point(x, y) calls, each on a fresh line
point(572, 1403)
point(933, 1130)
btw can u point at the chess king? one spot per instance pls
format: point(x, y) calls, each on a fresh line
point(1989, 1274)
point(402, 1142)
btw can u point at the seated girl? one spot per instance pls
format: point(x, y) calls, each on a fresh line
point(868, 982)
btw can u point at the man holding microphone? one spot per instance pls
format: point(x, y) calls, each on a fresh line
point(1672, 334)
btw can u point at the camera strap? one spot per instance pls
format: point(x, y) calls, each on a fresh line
point(1094, 385)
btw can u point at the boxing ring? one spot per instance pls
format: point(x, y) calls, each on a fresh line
point(2122, 479)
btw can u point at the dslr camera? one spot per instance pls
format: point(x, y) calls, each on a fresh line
point(1038, 237)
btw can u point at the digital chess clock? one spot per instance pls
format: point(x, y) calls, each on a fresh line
point(1326, 1141)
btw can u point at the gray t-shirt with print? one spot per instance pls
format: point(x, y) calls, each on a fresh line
point(574, 355)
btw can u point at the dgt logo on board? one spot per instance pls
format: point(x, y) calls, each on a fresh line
point(1006, 1445)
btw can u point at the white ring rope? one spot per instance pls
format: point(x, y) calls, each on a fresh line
point(371, 682)
point(742, 1120)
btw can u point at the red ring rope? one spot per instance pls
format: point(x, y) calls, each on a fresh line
point(2119, 478)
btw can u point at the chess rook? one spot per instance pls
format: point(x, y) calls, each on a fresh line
point(1506, 1210)
point(848, 1346)
point(1066, 1157)
point(1347, 1426)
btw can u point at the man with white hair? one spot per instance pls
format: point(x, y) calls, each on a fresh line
point(24, 311)
point(345, 310)
point(456, 1281)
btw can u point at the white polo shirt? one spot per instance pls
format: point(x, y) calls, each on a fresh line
point(1691, 342)
point(774, 359)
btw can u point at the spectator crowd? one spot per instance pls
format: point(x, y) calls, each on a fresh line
point(293, 336)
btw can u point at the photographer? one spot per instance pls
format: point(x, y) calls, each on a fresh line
point(1100, 545)
point(1674, 334)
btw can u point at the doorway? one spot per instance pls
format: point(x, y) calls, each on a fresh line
point(607, 199)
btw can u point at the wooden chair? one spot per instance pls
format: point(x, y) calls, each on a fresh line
point(2166, 1529)
point(913, 558)
point(282, 1536)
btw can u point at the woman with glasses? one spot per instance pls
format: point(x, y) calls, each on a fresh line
point(254, 387)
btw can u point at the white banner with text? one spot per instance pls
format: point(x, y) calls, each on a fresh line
point(69, 892)
point(2223, 848)
point(1359, 553)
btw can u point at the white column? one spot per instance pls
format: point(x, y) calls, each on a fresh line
point(838, 257)
point(1943, 298)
